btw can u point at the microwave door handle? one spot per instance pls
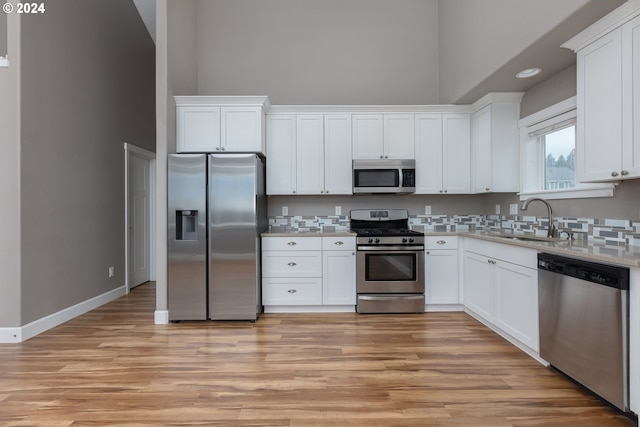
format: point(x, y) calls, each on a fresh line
point(401, 178)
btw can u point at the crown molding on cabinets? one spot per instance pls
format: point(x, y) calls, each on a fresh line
point(359, 109)
point(235, 101)
point(495, 98)
point(608, 23)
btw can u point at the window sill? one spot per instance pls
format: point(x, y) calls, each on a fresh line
point(605, 190)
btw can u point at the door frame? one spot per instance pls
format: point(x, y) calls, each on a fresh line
point(133, 150)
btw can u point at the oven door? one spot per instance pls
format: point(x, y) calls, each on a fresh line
point(383, 270)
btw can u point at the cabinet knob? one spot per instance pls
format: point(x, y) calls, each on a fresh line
point(381, 157)
point(428, 253)
point(445, 191)
point(326, 192)
point(292, 264)
point(291, 243)
point(321, 191)
point(386, 157)
point(441, 191)
point(490, 261)
point(624, 173)
point(217, 148)
point(222, 148)
point(441, 242)
point(294, 191)
point(614, 173)
point(339, 243)
point(292, 291)
point(487, 189)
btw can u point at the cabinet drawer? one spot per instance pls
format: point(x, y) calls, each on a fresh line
point(292, 291)
point(440, 242)
point(292, 264)
point(341, 243)
point(514, 254)
point(294, 242)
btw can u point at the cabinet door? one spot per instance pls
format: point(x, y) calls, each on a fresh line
point(479, 285)
point(368, 139)
point(599, 109)
point(281, 154)
point(399, 134)
point(481, 151)
point(631, 97)
point(310, 154)
point(505, 147)
point(339, 277)
point(441, 271)
point(456, 157)
point(292, 291)
point(517, 302)
point(338, 168)
point(241, 129)
point(198, 129)
point(428, 151)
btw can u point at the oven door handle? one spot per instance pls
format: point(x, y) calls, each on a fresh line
point(417, 248)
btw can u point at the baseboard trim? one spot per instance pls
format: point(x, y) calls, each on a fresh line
point(161, 317)
point(30, 330)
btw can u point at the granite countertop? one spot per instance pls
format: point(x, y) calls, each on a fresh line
point(628, 256)
point(284, 233)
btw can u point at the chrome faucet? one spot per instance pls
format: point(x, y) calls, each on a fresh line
point(551, 231)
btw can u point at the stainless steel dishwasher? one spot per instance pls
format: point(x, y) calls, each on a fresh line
point(584, 323)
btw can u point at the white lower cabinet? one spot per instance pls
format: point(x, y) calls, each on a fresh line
point(305, 273)
point(339, 271)
point(501, 288)
point(441, 270)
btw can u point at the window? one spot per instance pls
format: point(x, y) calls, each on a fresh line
point(3, 39)
point(549, 156)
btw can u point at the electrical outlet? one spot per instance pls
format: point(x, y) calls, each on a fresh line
point(285, 210)
point(513, 209)
point(427, 209)
point(498, 209)
point(338, 210)
point(112, 271)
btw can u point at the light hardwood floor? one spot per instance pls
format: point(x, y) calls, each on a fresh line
point(113, 366)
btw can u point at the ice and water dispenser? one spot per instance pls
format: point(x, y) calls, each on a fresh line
point(186, 225)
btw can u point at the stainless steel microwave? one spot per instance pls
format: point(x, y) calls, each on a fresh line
point(384, 176)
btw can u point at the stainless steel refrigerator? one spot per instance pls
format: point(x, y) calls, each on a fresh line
point(216, 211)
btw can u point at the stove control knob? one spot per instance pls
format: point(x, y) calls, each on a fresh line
point(404, 240)
point(370, 240)
point(377, 240)
point(411, 240)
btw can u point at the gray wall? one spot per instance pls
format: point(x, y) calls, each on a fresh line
point(176, 62)
point(555, 89)
point(477, 37)
point(10, 183)
point(320, 52)
point(87, 87)
point(3, 34)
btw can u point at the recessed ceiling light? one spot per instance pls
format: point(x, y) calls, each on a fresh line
point(529, 72)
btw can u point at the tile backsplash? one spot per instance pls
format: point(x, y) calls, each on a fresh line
point(614, 232)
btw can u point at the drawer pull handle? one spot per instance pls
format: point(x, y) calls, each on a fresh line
point(614, 173)
point(490, 261)
point(441, 242)
point(339, 243)
point(624, 173)
point(292, 291)
point(292, 264)
point(291, 243)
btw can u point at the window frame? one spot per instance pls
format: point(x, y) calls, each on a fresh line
point(532, 157)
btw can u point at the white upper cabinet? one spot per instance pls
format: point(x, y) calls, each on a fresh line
point(608, 96)
point(443, 153)
point(198, 129)
point(281, 154)
point(383, 136)
point(213, 124)
point(495, 144)
point(309, 154)
point(338, 176)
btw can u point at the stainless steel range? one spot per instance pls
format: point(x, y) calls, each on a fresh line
point(390, 262)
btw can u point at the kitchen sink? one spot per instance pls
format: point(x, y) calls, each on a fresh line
point(526, 238)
